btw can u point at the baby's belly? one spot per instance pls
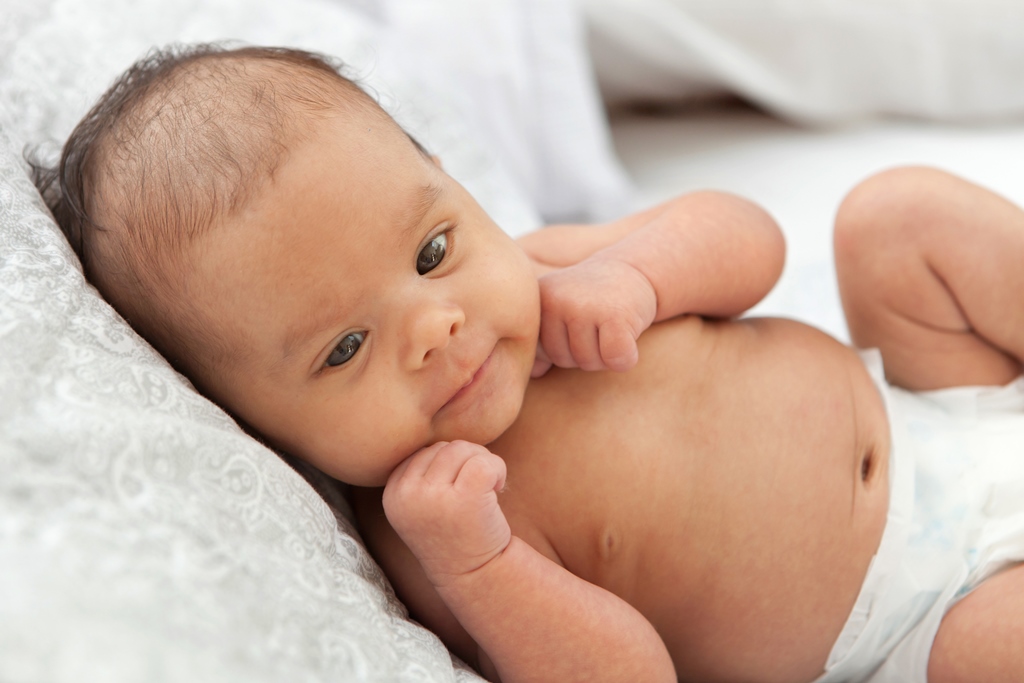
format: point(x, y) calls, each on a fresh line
point(733, 488)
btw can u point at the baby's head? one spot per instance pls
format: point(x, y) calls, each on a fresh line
point(279, 238)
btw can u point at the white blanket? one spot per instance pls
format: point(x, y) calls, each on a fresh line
point(817, 60)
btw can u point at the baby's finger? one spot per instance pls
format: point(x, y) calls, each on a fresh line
point(542, 355)
point(485, 471)
point(405, 483)
point(416, 464)
point(445, 467)
point(540, 368)
point(584, 343)
point(618, 346)
point(554, 337)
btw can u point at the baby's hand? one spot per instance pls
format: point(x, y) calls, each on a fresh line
point(442, 501)
point(592, 314)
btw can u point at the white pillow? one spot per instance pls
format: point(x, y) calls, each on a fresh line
point(816, 61)
point(519, 71)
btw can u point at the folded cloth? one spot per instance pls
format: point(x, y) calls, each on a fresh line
point(817, 61)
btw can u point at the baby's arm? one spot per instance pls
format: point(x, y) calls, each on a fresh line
point(492, 597)
point(705, 253)
point(931, 271)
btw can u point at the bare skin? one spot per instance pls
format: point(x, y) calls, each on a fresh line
point(707, 512)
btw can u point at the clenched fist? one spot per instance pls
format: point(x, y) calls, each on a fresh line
point(592, 314)
point(443, 502)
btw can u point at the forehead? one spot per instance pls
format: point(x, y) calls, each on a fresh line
point(200, 143)
point(345, 196)
point(344, 174)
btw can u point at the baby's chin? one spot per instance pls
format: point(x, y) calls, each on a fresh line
point(487, 419)
point(486, 425)
point(481, 432)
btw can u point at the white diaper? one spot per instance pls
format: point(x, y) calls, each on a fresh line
point(956, 517)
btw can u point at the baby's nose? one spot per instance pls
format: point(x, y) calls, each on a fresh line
point(431, 328)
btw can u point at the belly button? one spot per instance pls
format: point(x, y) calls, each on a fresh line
point(867, 464)
point(609, 546)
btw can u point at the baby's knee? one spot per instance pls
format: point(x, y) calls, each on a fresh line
point(888, 195)
point(887, 206)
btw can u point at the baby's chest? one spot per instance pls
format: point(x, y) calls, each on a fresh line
point(595, 466)
point(734, 476)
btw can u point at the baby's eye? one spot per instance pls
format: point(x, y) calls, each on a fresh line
point(345, 349)
point(432, 254)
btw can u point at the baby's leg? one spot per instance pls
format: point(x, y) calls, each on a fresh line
point(931, 271)
point(982, 638)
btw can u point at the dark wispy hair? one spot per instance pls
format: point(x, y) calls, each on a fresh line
point(185, 136)
point(63, 186)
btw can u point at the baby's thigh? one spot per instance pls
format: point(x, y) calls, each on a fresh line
point(981, 639)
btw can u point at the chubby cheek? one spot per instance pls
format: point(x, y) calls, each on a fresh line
point(365, 452)
point(358, 441)
point(514, 304)
point(514, 295)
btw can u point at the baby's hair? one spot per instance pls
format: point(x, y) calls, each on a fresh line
point(173, 93)
point(183, 138)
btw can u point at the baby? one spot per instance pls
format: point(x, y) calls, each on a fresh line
point(569, 456)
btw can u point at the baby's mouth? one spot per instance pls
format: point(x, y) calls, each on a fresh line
point(473, 382)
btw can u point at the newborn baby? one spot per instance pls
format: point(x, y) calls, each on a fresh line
point(569, 456)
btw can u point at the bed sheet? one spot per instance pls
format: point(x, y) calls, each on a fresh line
point(801, 174)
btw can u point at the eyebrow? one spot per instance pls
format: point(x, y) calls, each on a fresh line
point(423, 200)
